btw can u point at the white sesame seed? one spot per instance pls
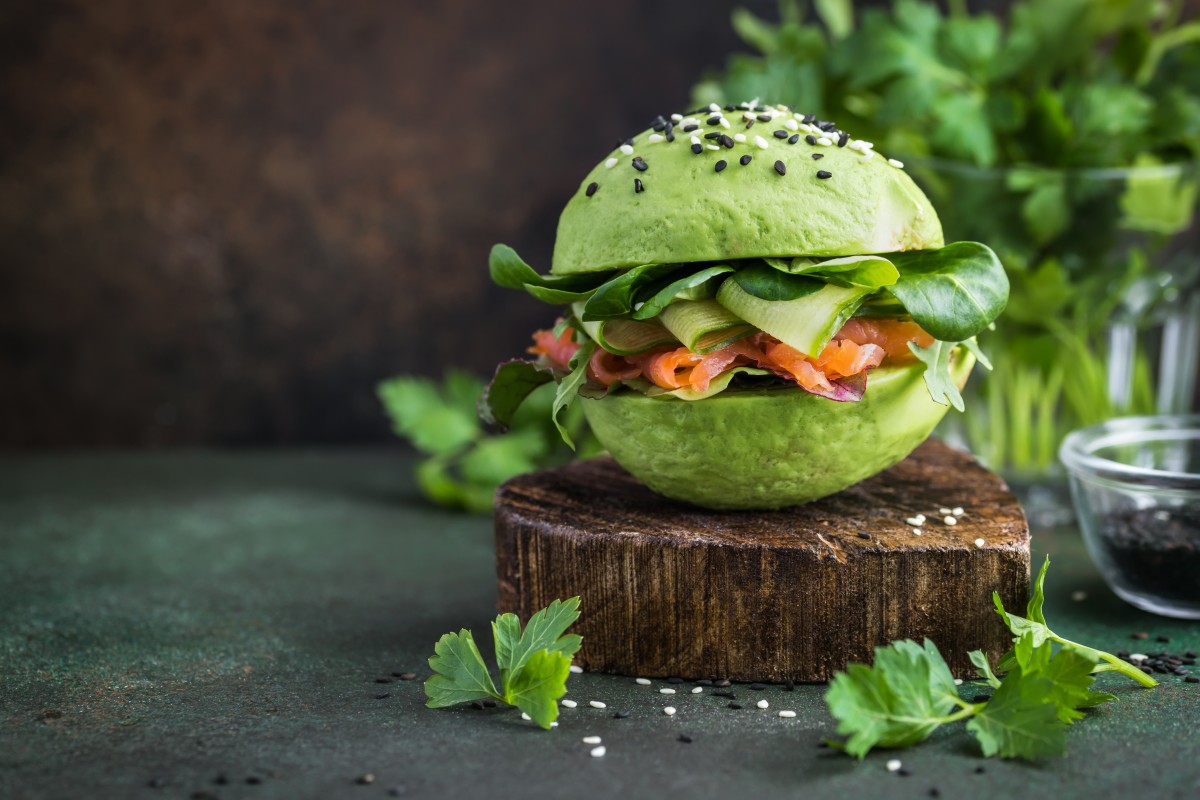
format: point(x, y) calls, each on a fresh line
point(697, 690)
point(592, 740)
point(1079, 595)
point(724, 123)
point(1138, 656)
point(980, 542)
point(612, 162)
point(714, 147)
point(949, 520)
point(676, 117)
point(763, 704)
point(958, 681)
point(749, 115)
point(526, 717)
point(957, 511)
point(642, 681)
point(760, 142)
point(598, 752)
point(695, 139)
point(739, 137)
point(914, 521)
point(916, 531)
point(627, 149)
point(896, 163)
point(868, 155)
point(824, 141)
point(666, 690)
point(669, 711)
point(943, 511)
point(576, 670)
point(921, 517)
point(689, 121)
point(790, 124)
point(787, 714)
point(568, 703)
point(713, 107)
point(655, 138)
point(596, 704)
point(554, 724)
point(894, 765)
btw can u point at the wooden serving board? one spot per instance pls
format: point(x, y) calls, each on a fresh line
point(669, 589)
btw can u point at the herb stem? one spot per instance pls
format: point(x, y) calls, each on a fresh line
point(1114, 664)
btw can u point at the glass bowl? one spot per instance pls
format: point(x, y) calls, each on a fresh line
point(1135, 482)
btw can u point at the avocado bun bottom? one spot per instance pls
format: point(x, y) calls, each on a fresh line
point(768, 448)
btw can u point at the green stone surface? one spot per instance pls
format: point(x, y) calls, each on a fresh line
point(690, 212)
point(190, 615)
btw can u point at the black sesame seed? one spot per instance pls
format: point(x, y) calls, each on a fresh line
point(157, 783)
point(690, 128)
point(713, 120)
point(727, 141)
point(638, 186)
point(780, 134)
point(864, 535)
point(1191, 679)
point(780, 168)
point(628, 142)
point(386, 695)
point(789, 686)
point(397, 674)
point(683, 737)
point(810, 139)
point(383, 680)
point(253, 780)
point(658, 127)
point(477, 705)
point(1191, 654)
point(749, 124)
point(1164, 638)
point(735, 706)
point(670, 137)
point(703, 682)
point(639, 164)
point(809, 119)
point(674, 680)
point(731, 108)
point(697, 149)
point(824, 174)
point(826, 126)
point(756, 687)
point(713, 135)
point(980, 769)
point(700, 110)
point(981, 698)
point(591, 189)
point(843, 137)
point(795, 137)
point(668, 127)
point(817, 156)
point(935, 792)
point(621, 715)
point(1122, 654)
point(744, 160)
point(722, 683)
point(764, 117)
point(903, 772)
point(221, 780)
point(489, 703)
point(722, 693)
point(720, 165)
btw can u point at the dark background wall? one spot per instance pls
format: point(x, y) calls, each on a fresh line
point(222, 222)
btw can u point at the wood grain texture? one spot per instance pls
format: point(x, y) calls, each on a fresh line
point(671, 589)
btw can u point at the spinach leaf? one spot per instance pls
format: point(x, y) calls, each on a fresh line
point(615, 298)
point(766, 283)
point(508, 270)
point(954, 292)
point(509, 387)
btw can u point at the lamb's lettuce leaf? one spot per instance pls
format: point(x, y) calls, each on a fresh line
point(507, 269)
point(954, 292)
point(695, 286)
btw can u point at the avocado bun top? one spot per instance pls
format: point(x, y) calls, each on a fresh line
point(778, 184)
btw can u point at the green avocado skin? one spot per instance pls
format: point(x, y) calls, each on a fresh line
point(688, 212)
point(768, 448)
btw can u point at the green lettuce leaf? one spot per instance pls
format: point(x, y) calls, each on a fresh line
point(508, 270)
point(954, 292)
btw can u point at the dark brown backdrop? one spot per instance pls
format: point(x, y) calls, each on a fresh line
point(222, 222)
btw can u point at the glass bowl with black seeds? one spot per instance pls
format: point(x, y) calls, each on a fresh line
point(1135, 482)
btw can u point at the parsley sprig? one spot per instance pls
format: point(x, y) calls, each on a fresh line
point(909, 691)
point(534, 663)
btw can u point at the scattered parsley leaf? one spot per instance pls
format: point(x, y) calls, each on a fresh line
point(979, 659)
point(534, 663)
point(1018, 722)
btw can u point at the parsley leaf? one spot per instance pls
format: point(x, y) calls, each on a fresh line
point(1018, 722)
point(534, 663)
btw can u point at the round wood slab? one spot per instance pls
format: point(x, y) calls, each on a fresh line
point(669, 589)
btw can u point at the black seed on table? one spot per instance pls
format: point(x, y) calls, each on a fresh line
point(757, 687)
point(730, 108)
point(809, 119)
point(824, 745)
point(396, 791)
point(789, 686)
point(795, 137)
point(670, 137)
point(398, 674)
point(720, 165)
point(638, 186)
point(203, 795)
point(1191, 662)
point(253, 780)
point(981, 698)
point(723, 693)
point(980, 769)
point(864, 535)
point(811, 139)
point(735, 706)
point(674, 680)
point(220, 780)
point(780, 168)
point(383, 680)
point(903, 772)
point(683, 737)
point(477, 704)
point(1191, 679)
point(749, 124)
point(386, 695)
point(744, 160)
point(591, 188)
point(1146, 670)
point(722, 683)
point(366, 779)
point(826, 126)
point(935, 792)
point(1191, 654)
point(621, 714)
point(1182, 671)
point(156, 783)
point(697, 149)
point(824, 174)
point(639, 164)
point(489, 703)
point(817, 156)
point(780, 134)
point(1122, 654)
point(703, 682)
point(1163, 639)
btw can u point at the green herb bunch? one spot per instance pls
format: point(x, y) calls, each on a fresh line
point(1066, 137)
point(909, 692)
point(463, 462)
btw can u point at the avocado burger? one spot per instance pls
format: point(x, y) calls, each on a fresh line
point(759, 310)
